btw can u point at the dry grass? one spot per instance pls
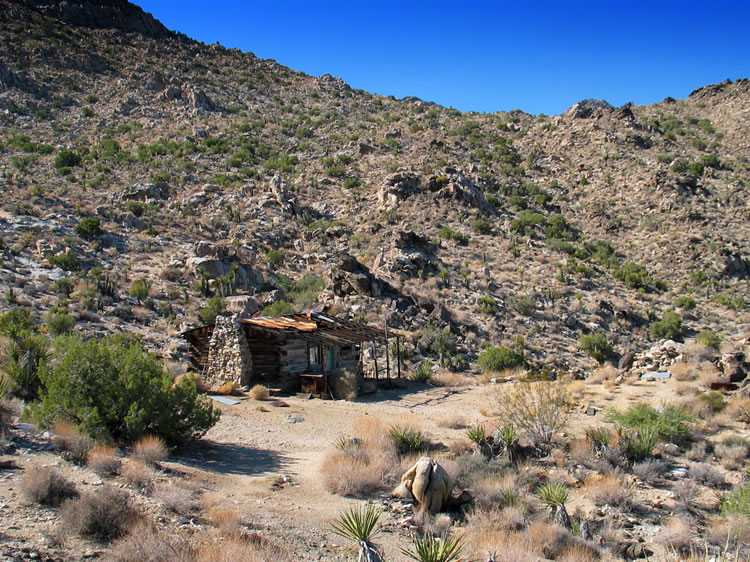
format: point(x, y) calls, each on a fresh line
point(104, 514)
point(140, 476)
point(351, 475)
point(732, 456)
point(684, 388)
point(676, 534)
point(739, 408)
point(227, 519)
point(509, 546)
point(579, 553)
point(607, 489)
point(697, 452)
point(606, 372)
point(70, 442)
point(447, 378)
point(259, 392)
point(248, 548)
point(47, 486)
point(150, 450)
point(103, 460)
point(577, 389)
point(683, 371)
point(454, 420)
point(731, 531)
point(176, 498)
point(146, 543)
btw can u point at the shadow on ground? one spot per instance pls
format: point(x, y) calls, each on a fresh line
point(228, 458)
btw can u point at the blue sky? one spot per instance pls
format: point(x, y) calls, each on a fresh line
point(538, 56)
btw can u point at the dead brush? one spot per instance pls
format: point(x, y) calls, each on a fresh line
point(150, 449)
point(683, 371)
point(176, 498)
point(506, 545)
point(676, 535)
point(70, 442)
point(739, 408)
point(606, 372)
point(139, 476)
point(704, 474)
point(104, 514)
point(450, 379)
point(453, 420)
point(250, 547)
point(607, 489)
point(650, 470)
point(733, 455)
point(259, 392)
point(47, 486)
point(103, 460)
point(226, 519)
point(146, 542)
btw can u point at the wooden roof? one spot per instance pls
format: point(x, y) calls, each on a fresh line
point(314, 327)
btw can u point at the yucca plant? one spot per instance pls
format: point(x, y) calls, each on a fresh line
point(429, 548)
point(478, 436)
point(509, 497)
point(345, 443)
point(599, 437)
point(508, 439)
point(555, 494)
point(407, 439)
point(360, 525)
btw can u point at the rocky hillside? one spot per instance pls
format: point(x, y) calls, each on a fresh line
point(145, 174)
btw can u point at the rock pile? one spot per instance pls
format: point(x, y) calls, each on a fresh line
point(659, 357)
point(229, 356)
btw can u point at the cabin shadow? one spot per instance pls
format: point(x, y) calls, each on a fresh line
point(230, 458)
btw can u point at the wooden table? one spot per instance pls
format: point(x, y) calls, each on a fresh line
point(317, 380)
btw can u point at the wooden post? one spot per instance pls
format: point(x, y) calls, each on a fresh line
point(324, 353)
point(387, 353)
point(398, 356)
point(375, 358)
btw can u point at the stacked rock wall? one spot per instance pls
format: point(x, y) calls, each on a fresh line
point(229, 358)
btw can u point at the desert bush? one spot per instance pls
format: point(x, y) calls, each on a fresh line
point(150, 449)
point(703, 473)
point(67, 159)
point(176, 498)
point(639, 443)
point(72, 445)
point(607, 489)
point(599, 437)
point(15, 322)
point(697, 452)
point(104, 514)
point(215, 306)
point(139, 476)
point(497, 359)
point(537, 409)
point(668, 421)
point(708, 338)
point(597, 346)
point(649, 470)
point(259, 392)
point(732, 456)
point(113, 389)
point(685, 493)
point(684, 302)
point(669, 327)
point(88, 228)
point(677, 535)
point(481, 226)
point(246, 547)
point(635, 276)
point(139, 290)
point(47, 486)
point(714, 400)
point(103, 460)
point(66, 261)
point(24, 360)
point(146, 543)
point(60, 323)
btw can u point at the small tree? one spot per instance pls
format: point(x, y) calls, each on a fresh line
point(496, 359)
point(89, 228)
point(114, 390)
point(669, 327)
point(537, 409)
point(139, 289)
point(597, 346)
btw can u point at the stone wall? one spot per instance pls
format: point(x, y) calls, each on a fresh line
point(229, 358)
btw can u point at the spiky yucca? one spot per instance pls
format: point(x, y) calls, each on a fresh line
point(360, 525)
point(429, 548)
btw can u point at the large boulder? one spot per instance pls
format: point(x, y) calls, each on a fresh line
point(397, 187)
point(428, 484)
point(145, 192)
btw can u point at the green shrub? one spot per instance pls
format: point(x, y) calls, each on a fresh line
point(597, 347)
point(436, 340)
point(67, 159)
point(89, 228)
point(558, 227)
point(553, 493)
point(278, 308)
point(65, 261)
point(215, 306)
point(708, 338)
point(481, 226)
point(427, 548)
point(140, 289)
point(114, 390)
point(668, 422)
point(638, 444)
point(714, 400)
point(15, 321)
point(275, 257)
point(523, 305)
point(449, 234)
point(737, 503)
point(731, 302)
point(635, 276)
point(25, 359)
point(669, 327)
point(684, 302)
point(60, 323)
point(487, 305)
point(496, 359)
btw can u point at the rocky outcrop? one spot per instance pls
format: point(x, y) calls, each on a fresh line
point(586, 108)
point(460, 188)
point(145, 192)
point(397, 187)
point(428, 484)
point(350, 277)
point(286, 200)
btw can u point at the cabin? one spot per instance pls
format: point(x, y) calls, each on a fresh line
point(290, 353)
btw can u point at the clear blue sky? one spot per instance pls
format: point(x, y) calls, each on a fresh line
point(538, 56)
